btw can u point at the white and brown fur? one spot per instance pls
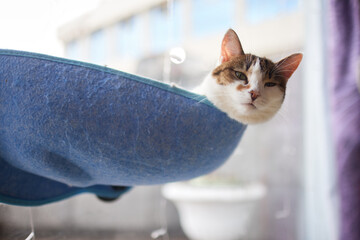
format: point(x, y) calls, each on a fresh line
point(255, 99)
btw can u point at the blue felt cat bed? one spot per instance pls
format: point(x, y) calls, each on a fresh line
point(68, 127)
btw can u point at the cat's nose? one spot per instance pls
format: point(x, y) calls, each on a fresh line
point(254, 95)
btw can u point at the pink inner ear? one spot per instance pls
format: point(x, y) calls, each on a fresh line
point(287, 66)
point(231, 46)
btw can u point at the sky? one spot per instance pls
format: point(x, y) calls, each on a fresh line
point(31, 25)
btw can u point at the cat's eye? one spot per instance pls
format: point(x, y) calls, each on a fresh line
point(270, 84)
point(241, 76)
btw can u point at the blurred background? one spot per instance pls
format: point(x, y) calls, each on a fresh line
point(291, 154)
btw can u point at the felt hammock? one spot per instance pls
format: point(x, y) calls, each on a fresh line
point(68, 127)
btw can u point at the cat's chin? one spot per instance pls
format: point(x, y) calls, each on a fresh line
point(250, 114)
point(246, 113)
point(248, 106)
point(250, 118)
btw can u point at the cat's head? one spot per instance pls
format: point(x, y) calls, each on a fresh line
point(248, 88)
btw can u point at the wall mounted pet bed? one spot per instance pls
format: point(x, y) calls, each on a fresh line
point(68, 127)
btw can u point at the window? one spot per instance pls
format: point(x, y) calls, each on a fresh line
point(159, 36)
point(176, 23)
point(129, 37)
point(210, 16)
point(166, 31)
point(97, 47)
point(261, 10)
point(73, 50)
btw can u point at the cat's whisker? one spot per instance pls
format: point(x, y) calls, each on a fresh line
point(284, 117)
point(199, 99)
point(202, 100)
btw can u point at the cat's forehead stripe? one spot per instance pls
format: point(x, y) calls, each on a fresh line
point(250, 60)
point(264, 64)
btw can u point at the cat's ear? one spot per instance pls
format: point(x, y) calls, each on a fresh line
point(230, 46)
point(287, 66)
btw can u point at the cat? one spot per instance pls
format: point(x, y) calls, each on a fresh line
point(248, 88)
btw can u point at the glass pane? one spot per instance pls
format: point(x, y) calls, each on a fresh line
point(97, 47)
point(135, 37)
point(261, 10)
point(16, 223)
point(128, 37)
point(159, 29)
point(166, 30)
point(73, 50)
point(210, 16)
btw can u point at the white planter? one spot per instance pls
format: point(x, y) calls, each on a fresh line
point(214, 213)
